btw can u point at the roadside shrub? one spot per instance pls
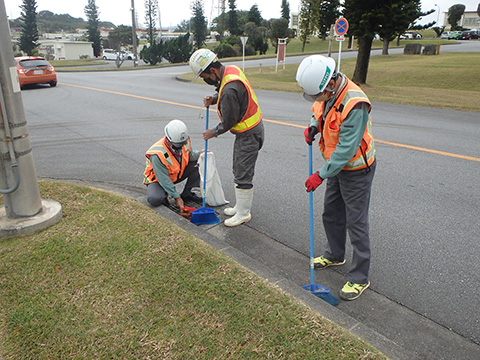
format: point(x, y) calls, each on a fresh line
point(152, 54)
point(178, 50)
point(226, 50)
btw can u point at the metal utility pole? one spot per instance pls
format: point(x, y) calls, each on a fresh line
point(159, 19)
point(222, 10)
point(24, 211)
point(134, 35)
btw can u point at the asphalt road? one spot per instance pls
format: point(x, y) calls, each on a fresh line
point(424, 210)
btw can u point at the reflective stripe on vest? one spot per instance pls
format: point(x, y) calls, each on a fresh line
point(253, 115)
point(166, 156)
point(352, 95)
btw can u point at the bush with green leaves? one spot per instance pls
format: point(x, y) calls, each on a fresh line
point(231, 46)
point(152, 54)
point(178, 50)
point(225, 50)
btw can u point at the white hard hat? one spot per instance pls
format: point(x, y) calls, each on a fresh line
point(200, 60)
point(314, 73)
point(176, 131)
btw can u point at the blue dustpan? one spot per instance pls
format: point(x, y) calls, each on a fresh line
point(204, 215)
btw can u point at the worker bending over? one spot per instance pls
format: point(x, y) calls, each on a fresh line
point(170, 161)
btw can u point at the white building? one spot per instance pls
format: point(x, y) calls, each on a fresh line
point(469, 20)
point(65, 49)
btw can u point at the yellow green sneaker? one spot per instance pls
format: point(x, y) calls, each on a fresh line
point(352, 291)
point(322, 262)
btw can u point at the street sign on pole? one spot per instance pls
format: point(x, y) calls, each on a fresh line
point(341, 28)
point(282, 43)
point(244, 40)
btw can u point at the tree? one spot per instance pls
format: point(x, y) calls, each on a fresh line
point(233, 19)
point(48, 22)
point(455, 13)
point(307, 19)
point(363, 23)
point(199, 24)
point(325, 16)
point(397, 16)
point(184, 26)
point(278, 30)
point(286, 10)
point(179, 49)
point(93, 32)
point(152, 54)
point(368, 17)
point(257, 37)
point(254, 16)
point(151, 7)
point(120, 36)
point(28, 40)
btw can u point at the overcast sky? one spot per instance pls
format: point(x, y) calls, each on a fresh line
point(174, 11)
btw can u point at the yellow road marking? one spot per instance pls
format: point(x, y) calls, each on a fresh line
point(464, 157)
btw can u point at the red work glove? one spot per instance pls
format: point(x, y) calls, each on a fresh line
point(313, 182)
point(310, 133)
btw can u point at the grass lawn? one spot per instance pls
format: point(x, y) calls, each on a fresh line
point(115, 280)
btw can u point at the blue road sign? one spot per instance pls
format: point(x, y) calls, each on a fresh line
point(341, 26)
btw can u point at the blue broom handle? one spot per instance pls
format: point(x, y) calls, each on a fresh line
point(205, 161)
point(310, 197)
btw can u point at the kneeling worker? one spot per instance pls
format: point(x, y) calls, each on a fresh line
point(169, 161)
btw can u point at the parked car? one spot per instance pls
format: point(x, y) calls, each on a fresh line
point(127, 55)
point(411, 35)
point(454, 35)
point(468, 35)
point(445, 35)
point(110, 54)
point(35, 70)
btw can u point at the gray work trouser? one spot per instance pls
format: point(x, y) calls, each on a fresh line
point(157, 196)
point(347, 199)
point(245, 154)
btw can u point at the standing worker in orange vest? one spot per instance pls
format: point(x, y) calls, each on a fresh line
point(171, 160)
point(341, 114)
point(238, 109)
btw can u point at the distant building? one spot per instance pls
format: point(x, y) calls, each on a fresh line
point(65, 49)
point(469, 20)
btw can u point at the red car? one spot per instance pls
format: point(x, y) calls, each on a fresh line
point(35, 70)
point(467, 35)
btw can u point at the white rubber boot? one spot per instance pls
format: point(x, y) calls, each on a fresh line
point(230, 211)
point(243, 206)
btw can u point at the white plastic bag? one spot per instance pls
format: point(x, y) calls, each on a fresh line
point(214, 195)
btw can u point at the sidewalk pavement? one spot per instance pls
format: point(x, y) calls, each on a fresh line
point(396, 331)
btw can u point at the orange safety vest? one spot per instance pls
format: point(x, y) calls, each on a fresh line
point(253, 115)
point(166, 156)
point(349, 96)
